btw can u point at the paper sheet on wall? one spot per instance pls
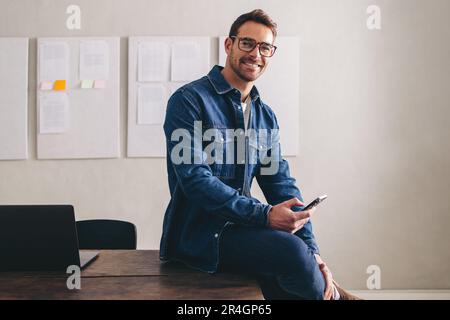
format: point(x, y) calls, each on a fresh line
point(94, 60)
point(153, 61)
point(187, 64)
point(54, 113)
point(151, 104)
point(53, 61)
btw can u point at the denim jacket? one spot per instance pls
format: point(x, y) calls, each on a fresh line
point(208, 196)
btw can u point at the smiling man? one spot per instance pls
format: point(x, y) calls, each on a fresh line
point(212, 222)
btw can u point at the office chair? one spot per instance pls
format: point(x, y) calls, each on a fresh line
point(106, 235)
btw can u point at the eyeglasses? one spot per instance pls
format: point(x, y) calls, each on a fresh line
point(249, 44)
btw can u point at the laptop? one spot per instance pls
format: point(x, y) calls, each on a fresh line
point(40, 238)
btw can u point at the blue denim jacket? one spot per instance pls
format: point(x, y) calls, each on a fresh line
point(207, 197)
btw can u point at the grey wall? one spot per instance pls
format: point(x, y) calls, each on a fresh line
point(374, 120)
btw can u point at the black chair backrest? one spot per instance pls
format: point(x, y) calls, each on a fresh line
point(106, 235)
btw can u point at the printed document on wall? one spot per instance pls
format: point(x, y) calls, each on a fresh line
point(53, 61)
point(187, 62)
point(94, 60)
point(151, 104)
point(153, 61)
point(54, 114)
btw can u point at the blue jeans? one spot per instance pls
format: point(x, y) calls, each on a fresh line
point(281, 262)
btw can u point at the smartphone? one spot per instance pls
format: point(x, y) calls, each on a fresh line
point(315, 202)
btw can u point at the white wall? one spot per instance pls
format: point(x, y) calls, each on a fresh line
point(374, 122)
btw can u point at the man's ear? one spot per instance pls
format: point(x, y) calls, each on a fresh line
point(228, 45)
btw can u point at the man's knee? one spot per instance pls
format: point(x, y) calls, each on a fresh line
point(306, 285)
point(316, 287)
point(301, 270)
point(295, 254)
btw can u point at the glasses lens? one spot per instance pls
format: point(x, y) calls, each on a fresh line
point(247, 44)
point(266, 49)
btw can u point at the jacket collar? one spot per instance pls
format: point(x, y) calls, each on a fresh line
point(221, 86)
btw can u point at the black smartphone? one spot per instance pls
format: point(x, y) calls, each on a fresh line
point(315, 202)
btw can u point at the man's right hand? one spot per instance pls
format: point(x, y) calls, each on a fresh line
point(281, 217)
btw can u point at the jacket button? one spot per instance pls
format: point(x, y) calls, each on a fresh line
point(216, 235)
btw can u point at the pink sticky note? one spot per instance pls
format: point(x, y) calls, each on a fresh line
point(46, 85)
point(100, 84)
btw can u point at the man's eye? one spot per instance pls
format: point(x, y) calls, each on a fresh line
point(247, 43)
point(266, 47)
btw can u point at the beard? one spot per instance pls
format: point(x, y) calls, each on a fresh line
point(237, 67)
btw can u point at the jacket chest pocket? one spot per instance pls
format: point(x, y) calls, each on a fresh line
point(218, 149)
point(260, 150)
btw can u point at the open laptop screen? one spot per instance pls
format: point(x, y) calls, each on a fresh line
point(38, 238)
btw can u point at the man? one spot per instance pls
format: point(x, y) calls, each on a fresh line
point(212, 223)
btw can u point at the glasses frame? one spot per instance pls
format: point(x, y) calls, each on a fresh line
point(257, 44)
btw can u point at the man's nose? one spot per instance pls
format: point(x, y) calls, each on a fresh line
point(255, 52)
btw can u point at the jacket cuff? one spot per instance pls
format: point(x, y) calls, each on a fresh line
point(269, 207)
point(262, 211)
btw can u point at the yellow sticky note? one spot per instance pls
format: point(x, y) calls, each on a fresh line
point(59, 85)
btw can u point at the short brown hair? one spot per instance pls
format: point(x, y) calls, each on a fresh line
point(256, 15)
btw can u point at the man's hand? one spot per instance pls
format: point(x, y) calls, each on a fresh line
point(281, 217)
point(327, 276)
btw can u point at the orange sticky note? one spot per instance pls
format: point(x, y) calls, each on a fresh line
point(59, 85)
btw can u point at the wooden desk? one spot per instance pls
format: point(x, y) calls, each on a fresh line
point(136, 274)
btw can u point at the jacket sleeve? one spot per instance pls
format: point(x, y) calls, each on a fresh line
point(278, 186)
point(194, 175)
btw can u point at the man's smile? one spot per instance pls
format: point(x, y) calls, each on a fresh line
point(253, 66)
